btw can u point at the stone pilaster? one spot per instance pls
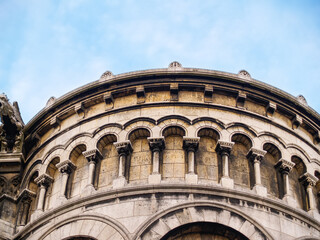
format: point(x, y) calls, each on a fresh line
point(191, 146)
point(309, 181)
point(256, 156)
point(124, 149)
point(66, 168)
point(156, 146)
point(43, 182)
point(284, 168)
point(92, 156)
point(224, 149)
point(25, 199)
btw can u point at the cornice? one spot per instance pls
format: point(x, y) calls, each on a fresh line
point(172, 74)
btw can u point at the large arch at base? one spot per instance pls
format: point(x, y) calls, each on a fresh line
point(168, 224)
point(204, 230)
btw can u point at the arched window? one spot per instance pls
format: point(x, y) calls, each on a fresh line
point(79, 178)
point(206, 156)
point(140, 162)
point(53, 190)
point(108, 166)
point(297, 189)
point(241, 170)
point(173, 166)
point(317, 189)
point(270, 177)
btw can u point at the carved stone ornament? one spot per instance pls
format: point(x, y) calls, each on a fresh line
point(50, 101)
point(11, 134)
point(256, 154)
point(191, 144)
point(308, 180)
point(44, 180)
point(284, 166)
point(175, 65)
point(26, 195)
point(244, 74)
point(123, 147)
point(224, 147)
point(93, 155)
point(66, 166)
point(302, 99)
point(106, 75)
point(156, 144)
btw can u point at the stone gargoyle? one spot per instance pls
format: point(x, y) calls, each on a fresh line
point(11, 134)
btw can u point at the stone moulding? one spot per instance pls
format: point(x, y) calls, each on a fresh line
point(98, 198)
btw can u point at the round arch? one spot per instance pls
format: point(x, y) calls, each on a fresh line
point(200, 211)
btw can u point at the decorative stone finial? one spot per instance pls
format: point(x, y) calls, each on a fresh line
point(244, 74)
point(106, 75)
point(175, 65)
point(50, 101)
point(302, 99)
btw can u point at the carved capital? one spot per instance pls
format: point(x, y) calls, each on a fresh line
point(66, 166)
point(308, 180)
point(224, 147)
point(93, 155)
point(191, 144)
point(44, 180)
point(124, 147)
point(284, 166)
point(156, 144)
point(26, 196)
point(256, 154)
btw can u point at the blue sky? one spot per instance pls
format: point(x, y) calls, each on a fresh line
point(48, 48)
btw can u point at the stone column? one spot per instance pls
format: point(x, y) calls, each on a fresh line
point(124, 149)
point(156, 146)
point(285, 167)
point(256, 156)
point(224, 149)
point(191, 146)
point(66, 168)
point(93, 156)
point(309, 182)
point(43, 182)
point(26, 198)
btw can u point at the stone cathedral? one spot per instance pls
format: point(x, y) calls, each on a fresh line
point(168, 154)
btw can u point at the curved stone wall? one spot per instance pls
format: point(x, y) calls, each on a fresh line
point(166, 153)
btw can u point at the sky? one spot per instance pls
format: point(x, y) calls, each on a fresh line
point(48, 48)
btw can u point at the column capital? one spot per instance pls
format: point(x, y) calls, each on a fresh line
point(224, 147)
point(284, 166)
point(308, 180)
point(26, 196)
point(93, 155)
point(44, 180)
point(156, 144)
point(124, 147)
point(191, 143)
point(255, 154)
point(66, 166)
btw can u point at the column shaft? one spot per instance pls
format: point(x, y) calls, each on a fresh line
point(42, 194)
point(92, 167)
point(257, 175)
point(312, 205)
point(156, 161)
point(190, 161)
point(225, 165)
point(122, 162)
point(64, 182)
point(285, 176)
